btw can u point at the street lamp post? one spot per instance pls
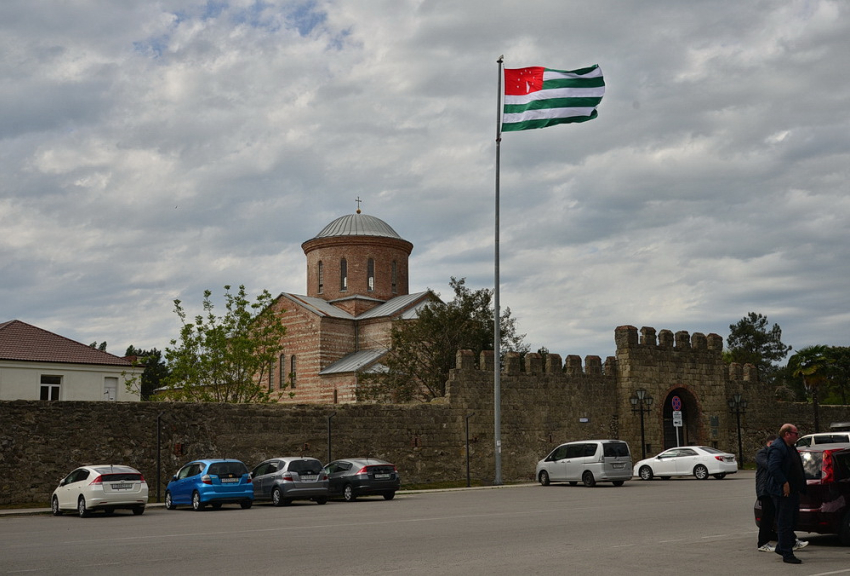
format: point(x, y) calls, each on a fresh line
point(639, 400)
point(738, 406)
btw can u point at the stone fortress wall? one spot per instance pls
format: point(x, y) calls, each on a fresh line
point(544, 402)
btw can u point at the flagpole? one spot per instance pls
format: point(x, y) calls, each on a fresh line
point(497, 337)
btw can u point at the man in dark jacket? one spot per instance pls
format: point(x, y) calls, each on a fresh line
point(785, 482)
point(768, 512)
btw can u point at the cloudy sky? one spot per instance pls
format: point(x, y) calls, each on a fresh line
point(151, 150)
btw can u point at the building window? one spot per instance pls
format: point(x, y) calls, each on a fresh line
point(343, 274)
point(321, 277)
point(282, 375)
point(271, 376)
point(395, 278)
point(370, 274)
point(50, 387)
point(110, 388)
point(292, 371)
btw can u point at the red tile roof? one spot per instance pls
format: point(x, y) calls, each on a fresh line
point(23, 342)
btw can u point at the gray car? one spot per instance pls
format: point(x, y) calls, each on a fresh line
point(282, 480)
point(354, 477)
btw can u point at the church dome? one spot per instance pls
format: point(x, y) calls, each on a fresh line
point(358, 225)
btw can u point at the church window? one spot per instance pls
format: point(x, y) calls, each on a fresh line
point(395, 278)
point(292, 371)
point(343, 274)
point(370, 274)
point(281, 373)
point(271, 376)
point(321, 277)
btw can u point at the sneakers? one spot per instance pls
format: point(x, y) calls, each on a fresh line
point(791, 560)
point(766, 548)
point(800, 544)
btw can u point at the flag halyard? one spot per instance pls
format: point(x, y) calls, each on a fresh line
point(537, 97)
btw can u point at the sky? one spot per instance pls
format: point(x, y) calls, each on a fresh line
point(150, 150)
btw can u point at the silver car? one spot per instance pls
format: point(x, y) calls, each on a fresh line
point(282, 480)
point(588, 461)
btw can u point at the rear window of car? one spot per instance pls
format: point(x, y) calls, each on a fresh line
point(615, 449)
point(812, 464)
point(305, 466)
point(123, 477)
point(223, 468)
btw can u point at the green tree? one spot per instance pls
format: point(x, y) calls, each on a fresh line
point(96, 346)
point(424, 350)
point(838, 375)
point(225, 358)
point(156, 371)
point(810, 364)
point(751, 342)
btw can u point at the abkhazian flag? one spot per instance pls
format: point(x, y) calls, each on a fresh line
point(538, 97)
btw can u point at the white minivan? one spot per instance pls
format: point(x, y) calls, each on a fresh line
point(588, 461)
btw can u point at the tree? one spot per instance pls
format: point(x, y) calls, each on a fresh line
point(226, 358)
point(810, 364)
point(838, 374)
point(156, 370)
point(424, 350)
point(750, 342)
point(96, 346)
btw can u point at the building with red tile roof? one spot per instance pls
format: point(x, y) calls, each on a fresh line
point(36, 364)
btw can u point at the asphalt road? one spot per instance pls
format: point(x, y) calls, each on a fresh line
point(660, 527)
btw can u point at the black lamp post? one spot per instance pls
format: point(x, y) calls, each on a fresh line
point(639, 400)
point(738, 406)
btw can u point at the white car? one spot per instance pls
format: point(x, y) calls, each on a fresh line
point(699, 461)
point(106, 487)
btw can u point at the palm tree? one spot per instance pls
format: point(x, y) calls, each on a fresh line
point(810, 364)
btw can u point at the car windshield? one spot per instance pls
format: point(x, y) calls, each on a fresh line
point(812, 464)
point(305, 466)
point(225, 468)
point(613, 449)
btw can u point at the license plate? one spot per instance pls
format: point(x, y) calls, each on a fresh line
point(122, 486)
point(381, 476)
point(229, 480)
point(308, 477)
point(618, 465)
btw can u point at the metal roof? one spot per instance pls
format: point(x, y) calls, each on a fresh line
point(358, 225)
point(354, 362)
point(391, 307)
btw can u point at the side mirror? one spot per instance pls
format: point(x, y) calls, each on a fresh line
point(174, 478)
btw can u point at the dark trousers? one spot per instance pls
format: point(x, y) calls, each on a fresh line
point(767, 528)
point(787, 511)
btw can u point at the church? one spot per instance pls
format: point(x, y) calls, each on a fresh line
point(357, 285)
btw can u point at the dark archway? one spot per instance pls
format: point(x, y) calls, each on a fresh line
point(688, 432)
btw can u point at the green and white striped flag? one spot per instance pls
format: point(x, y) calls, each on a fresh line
point(538, 97)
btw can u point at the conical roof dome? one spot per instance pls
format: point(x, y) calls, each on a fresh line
point(358, 225)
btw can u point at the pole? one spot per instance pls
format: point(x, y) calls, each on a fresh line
point(331, 415)
point(642, 435)
point(468, 480)
point(497, 336)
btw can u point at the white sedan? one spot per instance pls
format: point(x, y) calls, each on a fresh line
point(699, 461)
point(104, 487)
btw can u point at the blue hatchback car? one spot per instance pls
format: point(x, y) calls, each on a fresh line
point(213, 482)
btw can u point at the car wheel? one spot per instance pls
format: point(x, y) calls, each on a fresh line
point(720, 476)
point(321, 500)
point(588, 479)
point(701, 472)
point(81, 507)
point(544, 478)
point(618, 482)
point(645, 473)
point(169, 503)
point(348, 493)
point(54, 507)
point(138, 510)
point(844, 530)
point(277, 497)
point(389, 495)
point(196, 501)
point(246, 504)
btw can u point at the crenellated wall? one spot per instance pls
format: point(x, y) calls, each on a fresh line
point(544, 401)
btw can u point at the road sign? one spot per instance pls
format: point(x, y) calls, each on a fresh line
point(677, 404)
point(677, 418)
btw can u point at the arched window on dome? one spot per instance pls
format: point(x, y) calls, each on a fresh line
point(343, 274)
point(321, 273)
point(370, 274)
point(395, 278)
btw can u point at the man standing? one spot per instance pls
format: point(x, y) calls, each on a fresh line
point(786, 481)
point(768, 512)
